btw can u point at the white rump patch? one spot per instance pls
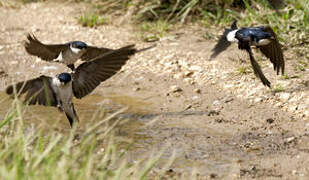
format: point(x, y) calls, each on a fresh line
point(231, 36)
point(263, 42)
point(59, 58)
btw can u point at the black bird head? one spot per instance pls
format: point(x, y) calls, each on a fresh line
point(78, 44)
point(64, 78)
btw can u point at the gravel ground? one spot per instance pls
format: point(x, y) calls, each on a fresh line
point(220, 122)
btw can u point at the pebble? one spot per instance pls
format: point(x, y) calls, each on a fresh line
point(284, 96)
point(270, 120)
point(195, 97)
point(49, 68)
point(137, 89)
point(258, 99)
point(290, 139)
point(198, 91)
point(175, 88)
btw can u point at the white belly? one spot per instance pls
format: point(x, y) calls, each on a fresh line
point(70, 58)
point(64, 93)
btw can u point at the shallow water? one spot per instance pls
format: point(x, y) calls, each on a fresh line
point(191, 143)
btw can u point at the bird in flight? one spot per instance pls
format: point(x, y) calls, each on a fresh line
point(58, 91)
point(262, 37)
point(67, 53)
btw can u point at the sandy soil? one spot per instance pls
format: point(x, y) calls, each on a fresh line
point(221, 123)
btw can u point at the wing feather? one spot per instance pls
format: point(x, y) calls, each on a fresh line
point(273, 51)
point(90, 74)
point(223, 43)
point(37, 91)
point(257, 69)
point(47, 52)
point(93, 52)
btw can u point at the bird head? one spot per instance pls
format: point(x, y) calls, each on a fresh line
point(77, 46)
point(64, 78)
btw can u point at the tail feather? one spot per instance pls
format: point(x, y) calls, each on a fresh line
point(257, 69)
point(71, 115)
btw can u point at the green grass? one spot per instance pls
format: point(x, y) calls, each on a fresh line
point(285, 77)
point(49, 154)
point(301, 65)
point(291, 22)
point(152, 31)
point(244, 70)
point(92, 20)
point(278, 88)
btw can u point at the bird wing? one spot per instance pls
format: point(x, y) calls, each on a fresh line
point(222, 44)
point(47, 52)
point(93, 52)
point(273, 51)
point(257, 69)
point(90, 74)
point(38, 91)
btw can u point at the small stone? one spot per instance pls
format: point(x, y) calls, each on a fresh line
point(213, 175)
point(213, 113)
point(258, 99)
point(197, 90)
point(137, 89)
point(216, 103)
point(228, 99)
point(37, 60)
point(293, 108)
point(290, 139)
point(188, 73)
point(196, 68)
point(284, 96)
point(175, 88)
point(49, 68)
point(270, 120)
point(195, 97)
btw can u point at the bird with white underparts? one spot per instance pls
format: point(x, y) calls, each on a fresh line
point(261, 37)
point(67, 53)
point(58, 91)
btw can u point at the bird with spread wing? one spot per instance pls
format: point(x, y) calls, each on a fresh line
point(58, 91)
point(262, 37)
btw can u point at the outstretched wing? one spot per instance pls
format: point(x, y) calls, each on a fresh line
point(47, 52)
point(90, 74)
point(38, 91)
point(257, 69)
point(273, 51)
point(223, 43)
point(93, 52)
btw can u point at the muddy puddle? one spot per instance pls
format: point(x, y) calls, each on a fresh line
point(197, 142)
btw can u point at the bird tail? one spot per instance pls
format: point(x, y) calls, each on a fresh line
point(234, 25)
point(257, 69)
point(71, 115)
